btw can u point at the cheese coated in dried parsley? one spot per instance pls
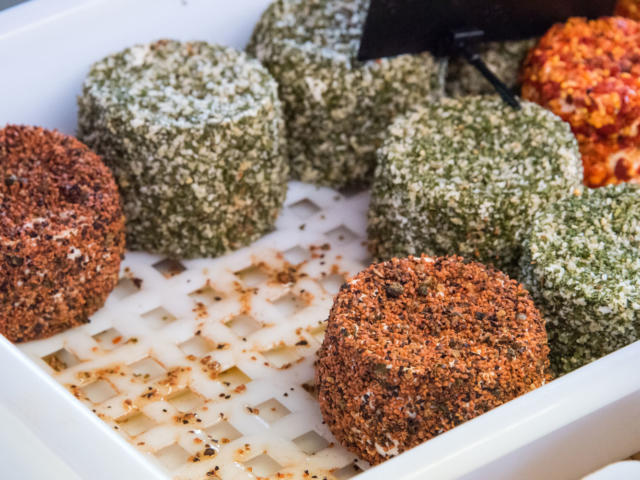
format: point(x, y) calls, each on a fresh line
point(336, 107)
point(582, 265)
point(194, 134)
point(465, 176)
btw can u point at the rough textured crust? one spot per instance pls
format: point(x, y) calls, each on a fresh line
point(464, 176)
point(503, 58)
point(417, 346)
point(582, 265)
point(629, 9)
point(336, 107)
point(195, 137)
point(588, 73)
point(61, 232)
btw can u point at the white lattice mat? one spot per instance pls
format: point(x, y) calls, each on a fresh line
point(207, 365)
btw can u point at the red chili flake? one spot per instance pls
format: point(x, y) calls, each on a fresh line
point(621, 170)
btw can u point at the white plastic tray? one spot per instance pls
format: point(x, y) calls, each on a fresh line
point(566, 429)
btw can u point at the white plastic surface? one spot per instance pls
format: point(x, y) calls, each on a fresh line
point(565, 430)
point(207, 365)
point(14, 457)
point(629, 470)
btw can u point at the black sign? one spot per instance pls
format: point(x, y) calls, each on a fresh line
point(395, 27)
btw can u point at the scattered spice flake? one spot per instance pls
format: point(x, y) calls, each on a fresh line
point(588, 73)
point(56, 363)
point(201, 310)
point(187, 418)
point(394, 371)
point(53, 232)
point(210, 366)
point(287, 276)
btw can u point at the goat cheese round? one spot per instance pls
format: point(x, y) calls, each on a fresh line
point(194, 135)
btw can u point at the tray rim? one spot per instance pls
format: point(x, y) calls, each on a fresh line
point(457, 452)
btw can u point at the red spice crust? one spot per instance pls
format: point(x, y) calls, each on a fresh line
point(417, 346)
point(61, 232)
point(588, 73)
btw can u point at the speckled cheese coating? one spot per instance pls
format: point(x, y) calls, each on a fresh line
point(582, 265)
point(61, 233)
point(417, 346)
point(336, 107)
point(195, 137)
point(503, 58)
point(465, 176)
point(588, 73)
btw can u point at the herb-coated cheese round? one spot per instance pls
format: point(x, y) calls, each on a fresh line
point(194, 135)
point(582, 265)
point(464, 176)
point(503, 58)
point(336, 107)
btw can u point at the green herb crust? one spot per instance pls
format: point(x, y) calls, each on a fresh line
point(465, 176)
point(337, 108)
point(582, 265)
point(195, 137)
point(503, 58)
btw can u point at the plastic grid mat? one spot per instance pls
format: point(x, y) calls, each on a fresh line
point(207, 365)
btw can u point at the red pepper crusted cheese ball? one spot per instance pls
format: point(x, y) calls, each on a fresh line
point(61, 232)
point(588, 73)
point(417, 346)
point(629, 9)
